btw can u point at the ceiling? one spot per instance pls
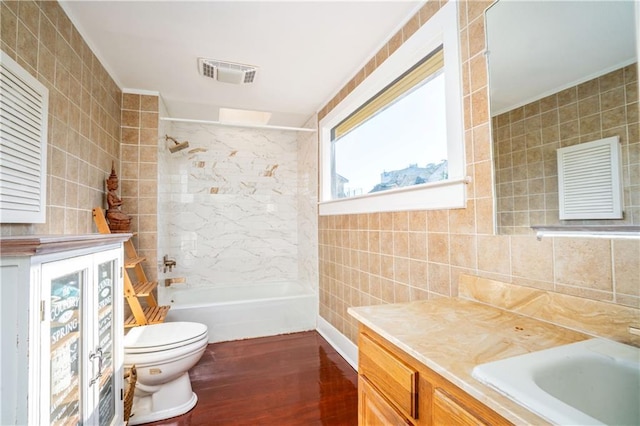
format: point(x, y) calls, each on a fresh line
point(537, 48)
point(305, 51)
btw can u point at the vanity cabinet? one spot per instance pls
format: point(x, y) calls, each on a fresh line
point(373, 408)
point(396, 389)
point(62, 326)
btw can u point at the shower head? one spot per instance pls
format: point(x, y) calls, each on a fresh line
point(179, 146)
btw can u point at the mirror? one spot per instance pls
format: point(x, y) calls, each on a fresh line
point(561, 73)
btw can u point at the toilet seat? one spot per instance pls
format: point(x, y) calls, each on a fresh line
point(163, 337)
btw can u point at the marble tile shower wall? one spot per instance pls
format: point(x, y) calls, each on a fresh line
point(162, 218)
point(307, 149)
point(229, 204)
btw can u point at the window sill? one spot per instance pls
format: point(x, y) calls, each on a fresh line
point(446, 194)
point(588, 231)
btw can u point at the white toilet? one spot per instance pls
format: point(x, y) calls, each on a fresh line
point(163, 354)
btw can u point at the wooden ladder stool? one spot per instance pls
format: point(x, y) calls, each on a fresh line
point(136, 284)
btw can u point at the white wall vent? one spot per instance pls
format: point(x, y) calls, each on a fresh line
point(24, 105)
point(227, 72)
point(590, 180)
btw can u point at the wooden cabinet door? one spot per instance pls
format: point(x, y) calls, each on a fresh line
point(373, 408)
point(396, 380)
point(446, 411)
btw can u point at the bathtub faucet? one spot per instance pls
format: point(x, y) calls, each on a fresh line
point(168, 263)
point(169, 281)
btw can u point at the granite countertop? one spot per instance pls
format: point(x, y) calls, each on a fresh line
point(453, 335)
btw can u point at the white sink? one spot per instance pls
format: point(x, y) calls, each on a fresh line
point(593, 382)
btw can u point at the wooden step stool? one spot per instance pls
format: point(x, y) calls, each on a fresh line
point(136, 284)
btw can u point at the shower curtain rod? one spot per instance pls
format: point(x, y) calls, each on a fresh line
point(254, 126)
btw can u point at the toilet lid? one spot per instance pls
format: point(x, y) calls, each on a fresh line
point(155, 337)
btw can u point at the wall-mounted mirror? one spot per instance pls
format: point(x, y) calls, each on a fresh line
point(561, 73)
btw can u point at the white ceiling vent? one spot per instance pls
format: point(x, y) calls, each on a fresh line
point(590, 180)
point(227, 72)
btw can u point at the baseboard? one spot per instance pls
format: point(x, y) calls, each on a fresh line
point(345, 347)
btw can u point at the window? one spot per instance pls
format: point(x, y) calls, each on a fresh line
point(395, 143)
point(409, 115)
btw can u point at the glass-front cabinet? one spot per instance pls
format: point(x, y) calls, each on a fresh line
point(75, 377)
point(77, 340)
point(105, 379)
point(61, 335)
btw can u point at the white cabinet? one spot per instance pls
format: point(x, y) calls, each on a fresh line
point(62, 324)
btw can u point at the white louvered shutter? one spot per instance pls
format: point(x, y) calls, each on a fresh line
point(23, 144)
point(590, 180)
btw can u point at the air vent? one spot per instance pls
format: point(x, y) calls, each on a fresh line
point(23, 144)
point(590, 180)
point(227, 72)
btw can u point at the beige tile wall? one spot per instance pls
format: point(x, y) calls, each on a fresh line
point(401, 256)
point(84, 112)
point(139, 176)
point(526, 140)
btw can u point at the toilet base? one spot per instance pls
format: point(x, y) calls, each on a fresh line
point(172, 399)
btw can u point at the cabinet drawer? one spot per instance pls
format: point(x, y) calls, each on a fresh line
point(393, 378)
point(447, 411)
point(374, 409)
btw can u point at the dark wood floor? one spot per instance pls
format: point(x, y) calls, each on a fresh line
point(293, 379)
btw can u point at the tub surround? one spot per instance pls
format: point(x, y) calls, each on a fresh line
point(307, 204)
point(452, 335)
point(230, 203)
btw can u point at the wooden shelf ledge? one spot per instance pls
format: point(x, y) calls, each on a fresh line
point(145, 288)
point(131, 263)
point(154, 315)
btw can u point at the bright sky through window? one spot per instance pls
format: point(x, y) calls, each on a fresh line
point(410, 131)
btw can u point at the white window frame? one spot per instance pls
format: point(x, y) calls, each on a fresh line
point(441, 29)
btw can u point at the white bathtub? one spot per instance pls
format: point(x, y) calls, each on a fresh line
point(242, 312)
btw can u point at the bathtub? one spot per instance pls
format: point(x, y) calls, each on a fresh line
point(242, 312)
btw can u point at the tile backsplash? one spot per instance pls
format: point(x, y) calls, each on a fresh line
point(588, 316)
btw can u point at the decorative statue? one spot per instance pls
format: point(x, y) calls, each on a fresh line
point(117, 220)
